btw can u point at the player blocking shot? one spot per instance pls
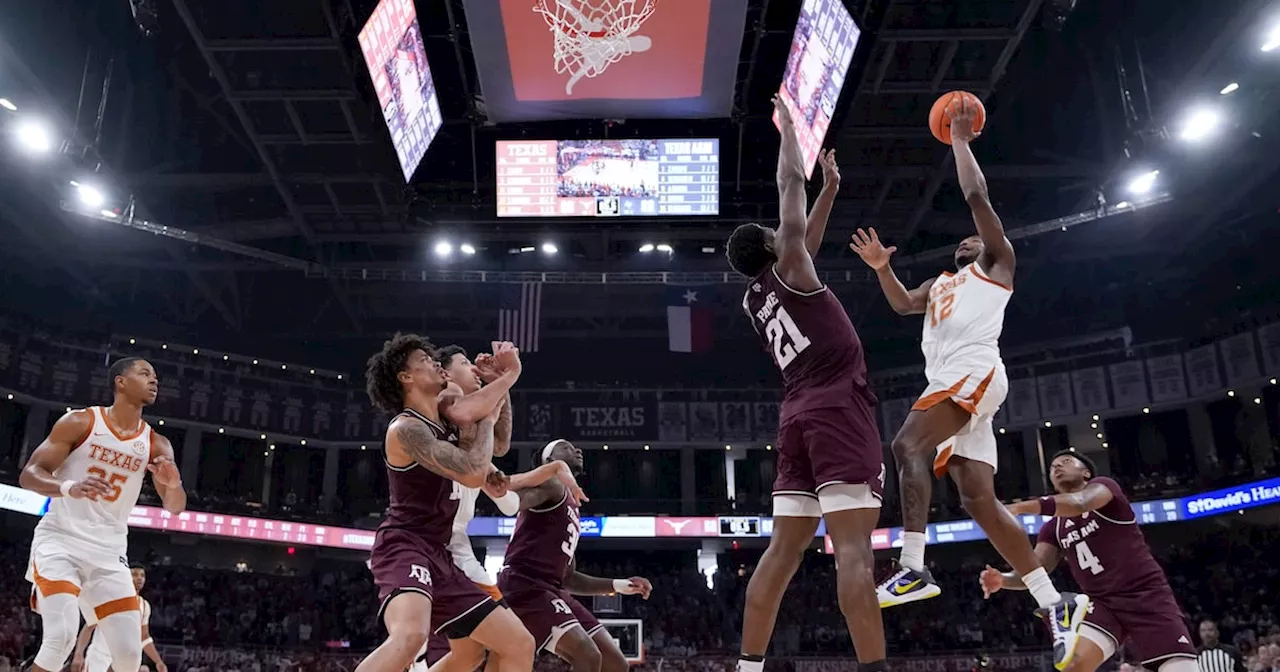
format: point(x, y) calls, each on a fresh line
point(829, 460)
point(540, 576)
point(1093, 527)
point(91, 466)
point(949, 430)
point(429, 459)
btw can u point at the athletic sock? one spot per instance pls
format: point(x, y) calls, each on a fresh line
point(912, 556)
point(748, 663)
point(875, 666)
point(1041, 587)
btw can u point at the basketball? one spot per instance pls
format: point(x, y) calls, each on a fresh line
point(940, 119)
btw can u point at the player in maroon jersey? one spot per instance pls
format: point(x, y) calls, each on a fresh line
point(830, 463)
point(418, 583)
point(540, 577)
point(1094, 528)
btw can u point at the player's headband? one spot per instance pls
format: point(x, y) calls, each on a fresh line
point(546, 451)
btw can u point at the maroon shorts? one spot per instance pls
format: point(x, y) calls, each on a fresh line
point(827, 446)
point(545, 610)
point(404, 562)
point(1152, 628)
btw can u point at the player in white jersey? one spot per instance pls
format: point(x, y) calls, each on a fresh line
point(97, 658)
point(948, 430)
point(92, 466)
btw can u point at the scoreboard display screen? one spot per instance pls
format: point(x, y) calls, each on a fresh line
point(393, 51)
point(821, 49)
point(608, 178)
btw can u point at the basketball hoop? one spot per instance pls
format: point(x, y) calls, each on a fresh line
point(591, 35)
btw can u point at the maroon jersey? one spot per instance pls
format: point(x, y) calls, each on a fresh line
point(423, 503)
point(812, 341)
point(1108, 556)
point(544, 541)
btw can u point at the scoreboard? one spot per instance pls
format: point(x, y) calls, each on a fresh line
point(608, 178)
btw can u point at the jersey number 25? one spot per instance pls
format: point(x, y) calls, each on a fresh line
point(785, 337)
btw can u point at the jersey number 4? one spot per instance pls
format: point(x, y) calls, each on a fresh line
point(785, 337)
point(114, 479)
point(1087, 560)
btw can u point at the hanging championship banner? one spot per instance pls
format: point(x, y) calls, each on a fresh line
point(1090, 386)
point(766, 420)
point(673, 422)
point(1239, 357)
point(735, 422)
point(1168, 382)
point(1269, 338)
point(704, 421)
point(1055, 395)
point(1129, 384)
point(1023, 402)
point(1203, 376)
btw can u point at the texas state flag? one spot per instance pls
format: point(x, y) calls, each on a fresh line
point(689, 319)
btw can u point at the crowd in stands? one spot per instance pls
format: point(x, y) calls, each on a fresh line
point(216, 619)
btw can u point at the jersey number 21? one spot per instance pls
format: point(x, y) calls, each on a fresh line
point(785, 337)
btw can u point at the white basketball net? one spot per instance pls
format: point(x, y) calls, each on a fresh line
point(591, 35)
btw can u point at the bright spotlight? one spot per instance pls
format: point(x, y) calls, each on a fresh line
point(664, 248)
point(467, 249)
point(34, 137)
point(1273, 39)
point(90, 195)
point(8, 105)
point(647, 247)
point(1144, 182)
point(1200, 125)
point(1230, 88)
point(549, 248)
point(443, 249)
point(1123, 204)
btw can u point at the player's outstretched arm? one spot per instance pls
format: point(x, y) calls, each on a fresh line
point(795, 265)
point(578, 583)
point(816, 225)
point(998, 258)
point(993, 580)
point(165, 475)
point(903, 301)
point(1093, 497)
point(82, 643)
point(66, 434)
point(467, 463)
point(149, 648)
point(470, 409)
point(537, 487)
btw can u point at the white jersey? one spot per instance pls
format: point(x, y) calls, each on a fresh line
point(964, 318)
point(120, 460)
point(460, 542)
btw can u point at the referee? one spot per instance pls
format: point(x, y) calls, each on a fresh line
point(1214, 655)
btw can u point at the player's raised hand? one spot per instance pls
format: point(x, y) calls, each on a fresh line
point(992, 581)
point(164, 472)
point(508, 357)
point(90, 488)
point(872, 251)
point(496, 484)
point(830, 169)
point(565, 475)
point(962, 114)
point(784, 113)
point(638, 585)
point(487, 367)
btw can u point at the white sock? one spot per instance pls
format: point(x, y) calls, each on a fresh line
point(745, 665)
point(912, 556)
point(1041, 587)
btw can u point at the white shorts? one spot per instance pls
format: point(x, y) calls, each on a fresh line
point(97, 658)
point(100, 580)
point(831, 498)
point(978, 385)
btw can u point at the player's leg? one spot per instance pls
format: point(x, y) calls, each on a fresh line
point(795, 521)
point(407, 616)
point(611, 657)
point(573, 646)
point(850, 531)
point(914, 449)
point(503, 634)
point(56, 594)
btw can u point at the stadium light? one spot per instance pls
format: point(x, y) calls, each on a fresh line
point(1230, 88)
point(1144, 182)
point(1200, 125)
point(1273, 39)
point(8, 105)
point(90, 195)
point(34, 137)
point(646, 248)
point(663, 247)
point(443, 249)
point(549, 248)
point(467, 249)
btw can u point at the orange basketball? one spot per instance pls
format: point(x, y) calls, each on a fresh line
point(940, 117)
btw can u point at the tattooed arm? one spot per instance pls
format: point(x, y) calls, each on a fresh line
point(467, 463)
point(502, 429)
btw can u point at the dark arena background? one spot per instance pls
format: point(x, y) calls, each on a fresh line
point(255, 195)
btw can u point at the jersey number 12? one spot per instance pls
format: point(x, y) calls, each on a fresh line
point(785, 337)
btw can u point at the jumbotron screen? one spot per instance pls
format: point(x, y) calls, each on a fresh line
point(397, 62)
point(826, 37)
point(608, 178)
